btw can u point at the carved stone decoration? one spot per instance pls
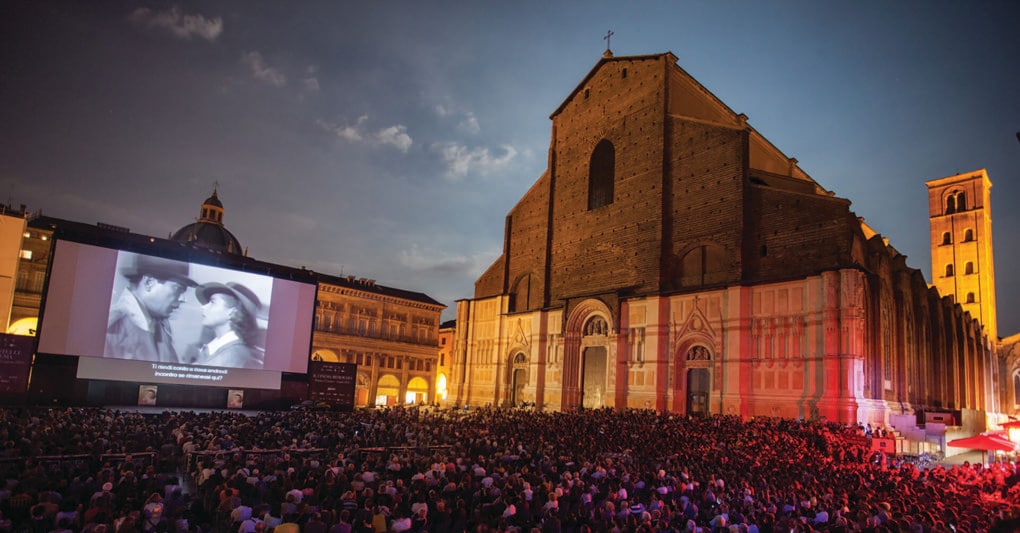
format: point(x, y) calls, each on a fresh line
point(521, 337)
point(699, 353)
point(596, 326)
point(696, 322)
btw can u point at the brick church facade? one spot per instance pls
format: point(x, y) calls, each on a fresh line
point(671, 257)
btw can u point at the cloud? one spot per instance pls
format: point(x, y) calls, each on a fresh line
point(467, 266)
point(461, 160)
point(395, 136)
point(181, 25)
point(311, 81)
point(263, 72)
point(469, 122)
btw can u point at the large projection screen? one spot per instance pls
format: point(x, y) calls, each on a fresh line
point(145, 318)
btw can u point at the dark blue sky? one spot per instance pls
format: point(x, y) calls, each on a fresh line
point(389, 139)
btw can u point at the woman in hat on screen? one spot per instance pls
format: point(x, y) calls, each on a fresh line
point(229, 310)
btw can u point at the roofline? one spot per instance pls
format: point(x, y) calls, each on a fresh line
point(963, 176)
point(603, 60)
point(369, 285)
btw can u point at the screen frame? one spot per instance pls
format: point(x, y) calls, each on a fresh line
point(298, 293)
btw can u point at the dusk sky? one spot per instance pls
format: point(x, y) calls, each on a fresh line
point(389, 139)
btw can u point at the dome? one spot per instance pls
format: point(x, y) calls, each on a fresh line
point(209, 231)
point(213, 200)
point(209, 235)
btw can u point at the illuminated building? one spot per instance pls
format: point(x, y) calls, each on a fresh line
point(447, 336)
point(671, 257)
point(390, 333)
point(962, 262)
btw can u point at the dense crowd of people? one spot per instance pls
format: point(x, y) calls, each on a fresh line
point(485, 470)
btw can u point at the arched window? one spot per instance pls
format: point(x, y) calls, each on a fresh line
point(947, 238)
point(703, 265)
point(968, 235)
point(956, 202)
point(970, 297)
point(1016, 388)
point(601, 175)
point(949, 270)
point(968, 268)
point(519, 295)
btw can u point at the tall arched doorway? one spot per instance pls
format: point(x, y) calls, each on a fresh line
point(587, 372)
point(417, 391)
point(699, 379)
point(518, 378)
point(594, 356)
point(387, 391)
point(697, 391)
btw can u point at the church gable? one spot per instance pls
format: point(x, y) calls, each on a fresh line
point(622, 66)
point(607, 178)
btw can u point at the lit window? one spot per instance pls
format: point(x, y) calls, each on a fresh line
point(26, 254)
point(45, 237)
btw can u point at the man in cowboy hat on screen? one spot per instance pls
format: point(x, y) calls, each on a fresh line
point(139, 325)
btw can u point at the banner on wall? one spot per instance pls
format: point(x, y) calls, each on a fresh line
point(333, 383)
point(15, 362)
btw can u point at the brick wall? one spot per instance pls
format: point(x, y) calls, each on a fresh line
point(706, 194)
point(528, 225)
point(791, 235)
point(617, 245)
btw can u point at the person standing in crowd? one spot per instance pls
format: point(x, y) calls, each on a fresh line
point(229, 310)
point(138, 326)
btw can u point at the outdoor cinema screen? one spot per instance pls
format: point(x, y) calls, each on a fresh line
point(138, 317)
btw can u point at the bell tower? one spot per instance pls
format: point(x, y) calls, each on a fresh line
point(960, 217)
